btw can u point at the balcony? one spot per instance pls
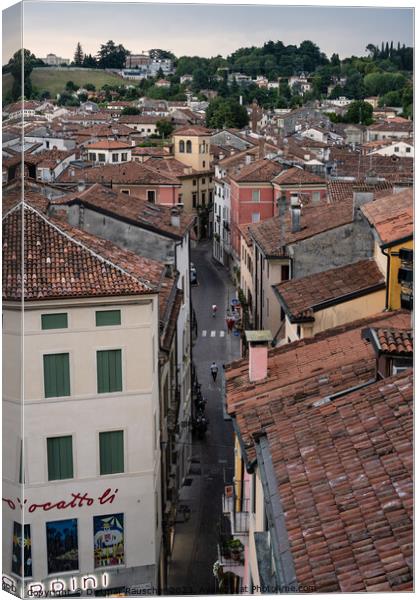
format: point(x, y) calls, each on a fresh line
point(239, 521)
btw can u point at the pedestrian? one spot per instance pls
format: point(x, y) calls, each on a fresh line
point(214, 370)
point(214, 309)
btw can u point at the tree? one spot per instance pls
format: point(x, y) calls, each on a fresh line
point(165, 128)
point(89, 87)
point(15, 69)
point(111, 56)
point(89, 62)
point(78, 55)
point(67, 99)
point(130, 110)
point(223, 112)
point(71, 87)
point(359, 112)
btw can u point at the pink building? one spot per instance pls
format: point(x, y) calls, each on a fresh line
point(252, 196)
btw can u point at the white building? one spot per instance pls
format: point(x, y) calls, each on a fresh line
point(221, 217)
point(89, 453)
point(109, 151)
point(53, 60)
point(398, 148)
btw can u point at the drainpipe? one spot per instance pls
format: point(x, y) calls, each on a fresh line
point(388, 268)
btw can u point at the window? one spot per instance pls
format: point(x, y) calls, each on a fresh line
point(210, 196)
point(151, 196)
point(101, 157)
point(55, 321)
point(189, 146)
point(60, 457)
point(396, 149)
point(194, 200)
point(56, 375)
point(62, 546)
point(108, 317)
point(92, 156)
point(115, 157)
point(255, 195)
point(47, 144)
point(298, 331)
point(182, 146)
point(109, 371)
point(125, 192)
point(408, 150)
point(21, 550)
point(285, 272)
point(194, 182)
point(255, 217)
point(111, 452)
point(203, 180)
point(203, 197)
point(316, 196)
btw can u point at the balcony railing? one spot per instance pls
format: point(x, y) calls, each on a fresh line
point(239, 519)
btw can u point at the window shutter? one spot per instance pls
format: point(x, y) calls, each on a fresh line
point(111, 452)
point(56, 321)
point(56, 375)
point(109, 371)
point(60, 457)
point(108, 317)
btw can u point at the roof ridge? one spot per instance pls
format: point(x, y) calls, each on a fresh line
point(145, 282)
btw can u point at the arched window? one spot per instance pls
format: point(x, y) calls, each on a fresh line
point(189, 146)
point(182, 146)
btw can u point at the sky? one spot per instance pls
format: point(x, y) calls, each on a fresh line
point(203, 30)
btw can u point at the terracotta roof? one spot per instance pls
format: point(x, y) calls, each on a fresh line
point(297, 176)
point(391, 216)
point(149, 151)
point(104, 130)
point(145, 119)
point(170, 325)
point(305, 372)
point(259, 171)
point(302, 297)
point(108, 145)
point(13, 196)
point(391, 125)
point(61, 261)
point(353, 164)
point(132, 208)
point(314, 220)
point(343, 190)
point(192, 130)
point(344, 474)
point(244, 230)
point(394, 341)
point(129, 173)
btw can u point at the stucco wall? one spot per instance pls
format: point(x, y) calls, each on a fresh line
point(334, 248)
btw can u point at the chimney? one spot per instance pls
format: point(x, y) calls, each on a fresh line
point(254, 117)
point(258, 353)
point(81, 186)
point(296, 209)
point(282, 203)
point(175, 219)
point(261, 147)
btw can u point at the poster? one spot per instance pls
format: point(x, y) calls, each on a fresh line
point(21, 550)
point(108, 537)
point(62, 547)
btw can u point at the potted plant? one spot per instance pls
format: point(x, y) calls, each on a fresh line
point(236, 548)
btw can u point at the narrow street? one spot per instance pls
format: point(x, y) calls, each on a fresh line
point(195, 547)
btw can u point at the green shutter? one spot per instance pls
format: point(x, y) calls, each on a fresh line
point(108, 317)
point(111, 452)
point(56, 375)
point(56, 321)
point(60, 457)
point(109, 371)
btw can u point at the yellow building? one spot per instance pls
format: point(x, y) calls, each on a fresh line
point(192, 147)
point(391, 220)
point(331, 298)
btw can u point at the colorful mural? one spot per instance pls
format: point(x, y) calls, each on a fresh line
point(108, 537)
point(22, 550)
point(62, 546)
